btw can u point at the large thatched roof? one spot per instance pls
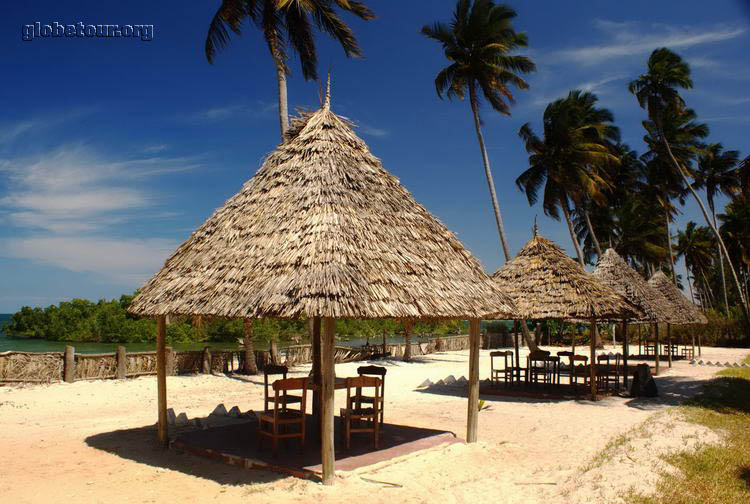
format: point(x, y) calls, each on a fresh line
point(685, 311)
point(322, 230)
point(546, 283)
point(613, 271)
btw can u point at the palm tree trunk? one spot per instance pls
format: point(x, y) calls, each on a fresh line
point(493, 195)
point(721, 264)
point(707, 290)
point(723, 248)
point(669, 244)
point(251, 366)
point(690, 283)
point(277, 54)
point(574, 239)
point(488, 171)
point(597, 246)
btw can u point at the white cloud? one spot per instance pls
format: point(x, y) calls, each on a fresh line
point(74, 188)
point(372, 131)
point(630, 39)
point(129, 261)
point(154, 148)
point(257, 109)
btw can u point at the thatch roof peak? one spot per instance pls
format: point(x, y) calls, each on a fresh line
point(685, 311)
point(322, 229)
point(546, 283)
point(613, 271)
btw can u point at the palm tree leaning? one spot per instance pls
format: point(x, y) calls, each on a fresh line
point(477, 42)
point(695, 244)
point(717, 174)
point(656, 91)
point(570, 161)
point(287, 24)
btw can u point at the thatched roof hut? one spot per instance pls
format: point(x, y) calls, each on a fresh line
point(684, 311)
point(614, 272)
point(322, 230)
point(547, 284)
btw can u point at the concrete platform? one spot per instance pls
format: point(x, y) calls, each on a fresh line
point(236, 444)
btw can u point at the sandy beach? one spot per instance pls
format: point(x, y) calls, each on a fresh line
point(60, 441)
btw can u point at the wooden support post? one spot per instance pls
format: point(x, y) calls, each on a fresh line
point(699, 345)
point(275, 358)
point(316, 374)
point(122, 363)
point(656, 346)
point(161, 376)
point(171, 360)
point(206, 361)
point(625, 352)
point(593, 359)
point(472, 419)
point(669, 343)
point(69, 369)
point(517, 329)
point(251, 367)
point(693, 344)
point(640, 340)
point(407, 340)
point(327, 454)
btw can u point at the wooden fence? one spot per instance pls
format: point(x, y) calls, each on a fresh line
point(47, 367)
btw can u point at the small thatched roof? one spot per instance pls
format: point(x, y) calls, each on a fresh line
point(613, 271)
point(685, 311)
point(322, 230)
point(547, 284)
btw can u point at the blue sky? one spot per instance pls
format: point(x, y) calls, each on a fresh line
point(112, 150)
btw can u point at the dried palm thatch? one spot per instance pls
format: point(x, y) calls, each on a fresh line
point(547, 284)
point(685, 311)
point(322, 230)
point(614, 272)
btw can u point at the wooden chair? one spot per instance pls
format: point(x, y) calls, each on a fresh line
point(372, 371)
point(565, 371)
point(580, 369)
point(536, 366)
point(285, 399)
point(608, 372)
point(283, 416)
point(355, 412)
point(687, 352)
point(504, 373)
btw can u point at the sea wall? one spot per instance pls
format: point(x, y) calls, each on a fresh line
point(48, 367)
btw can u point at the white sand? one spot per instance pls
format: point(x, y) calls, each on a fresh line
point(529, 451)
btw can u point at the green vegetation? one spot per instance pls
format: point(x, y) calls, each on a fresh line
point(715, 473)
point(108, 321)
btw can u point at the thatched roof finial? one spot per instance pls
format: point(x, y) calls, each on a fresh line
point(327, 100)
point(535, 229)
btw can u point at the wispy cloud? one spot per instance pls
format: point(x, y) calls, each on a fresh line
point(124, 261)
point(256, 109)
point(372, 131)
point(75, 188)
point(154, 148)
point(632, 39)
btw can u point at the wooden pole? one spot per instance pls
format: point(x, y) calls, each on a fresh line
point(69, 370)
point(640, 340)
point(171, 362)
point(161, 376)
point(407, 340)
point(122, 363)
point(251, 367)
point(206, 364)
point(656, 346)
point(575, 335)
point(473, 407)
point(327, 454)
point(593, 359)
point(518, 352)
point(625, 352)
point(669, 343)
point(315, 342)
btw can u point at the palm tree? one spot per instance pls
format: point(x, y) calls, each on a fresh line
point(569, 161)
point(717, 174)
point(695, 244)
point(684, 135)
point(477, 42)
point(744, 176)
point(657, 91)
point(287, 24)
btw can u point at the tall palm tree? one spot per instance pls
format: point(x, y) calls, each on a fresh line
point(684, 135)
point(717, 174)
point(478, 42)
point(743, 173)
point(287, 24)
point(569, 162)
point(657, 91)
